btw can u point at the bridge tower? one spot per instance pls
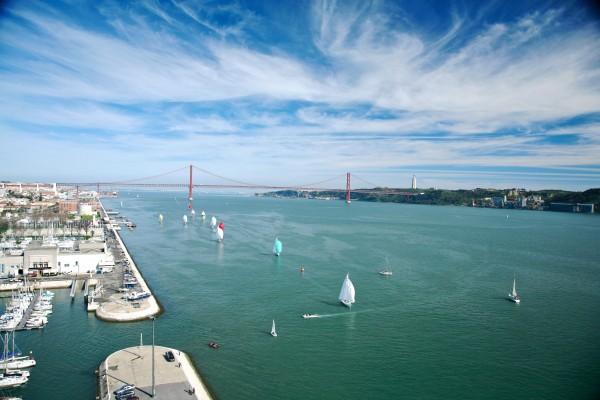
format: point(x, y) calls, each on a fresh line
point(190, 198)
point(348, 188)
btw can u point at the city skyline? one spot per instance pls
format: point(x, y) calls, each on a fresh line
point(462, 95)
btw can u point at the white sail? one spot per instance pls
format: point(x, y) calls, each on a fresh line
point(203, 214)
point(185, 219)
point(193, 212)
point(220, 234)
point(347, 293)
point(160, 218)
point(213, 222)
point(514, 289)
point(273, 331)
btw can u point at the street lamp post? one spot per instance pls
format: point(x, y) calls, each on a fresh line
point(153, 318)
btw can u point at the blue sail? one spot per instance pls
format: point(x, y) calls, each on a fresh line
point(277, 247)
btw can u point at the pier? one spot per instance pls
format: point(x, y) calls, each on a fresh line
point(113, 305)
point(173, 380)
point(73, 288)
point(21, 325)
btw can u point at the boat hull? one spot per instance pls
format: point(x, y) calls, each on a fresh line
point(514, 299)
point(346, 303)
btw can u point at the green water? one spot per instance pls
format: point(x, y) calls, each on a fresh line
point(440, 327)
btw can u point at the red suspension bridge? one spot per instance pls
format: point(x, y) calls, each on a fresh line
point(150, 182)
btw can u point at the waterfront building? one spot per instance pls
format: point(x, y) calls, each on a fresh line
point(67, 206)
point(499, 201)
point(53, 258)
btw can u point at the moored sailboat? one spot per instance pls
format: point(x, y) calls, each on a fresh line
point(347, 293)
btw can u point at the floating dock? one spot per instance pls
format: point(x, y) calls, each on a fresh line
point(174, 380)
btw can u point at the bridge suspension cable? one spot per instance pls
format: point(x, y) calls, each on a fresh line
point(146, 178)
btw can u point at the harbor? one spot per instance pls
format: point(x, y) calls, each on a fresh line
point(165, 374)
point(443, 298)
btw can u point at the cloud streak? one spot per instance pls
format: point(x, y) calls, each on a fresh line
point(380, 88)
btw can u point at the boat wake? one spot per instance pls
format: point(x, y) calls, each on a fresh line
point(342, 314)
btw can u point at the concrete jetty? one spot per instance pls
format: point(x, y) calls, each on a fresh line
point(174, 380)
point(27, 314)
point(115, 307)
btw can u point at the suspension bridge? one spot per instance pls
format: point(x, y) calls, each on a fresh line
point(151, 182)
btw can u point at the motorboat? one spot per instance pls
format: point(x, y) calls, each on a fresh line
point(138, 295)
point(12, 381)
point(214, 345)
point(307, 316)
point(387, 269)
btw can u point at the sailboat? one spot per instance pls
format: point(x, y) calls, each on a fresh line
point(213, 222)
point(193, 212)
point(203, 214)
point(387, 269)
point(185, 219)
point(14, 359)
point(277, 247)
point(273, 331)
point(11, 378)
point(160, 218)
point(347, 292)
point(221, 231)
point(513, 296)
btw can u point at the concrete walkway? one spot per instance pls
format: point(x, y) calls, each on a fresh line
point(174, 380)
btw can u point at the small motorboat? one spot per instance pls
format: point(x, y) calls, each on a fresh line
point(307, 316)
point(214, 345)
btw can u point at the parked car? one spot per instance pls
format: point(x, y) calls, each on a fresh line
point(169, 356)
point(124, 390)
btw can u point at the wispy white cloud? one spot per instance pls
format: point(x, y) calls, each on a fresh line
point(175, 89)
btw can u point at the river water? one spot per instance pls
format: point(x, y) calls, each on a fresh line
point(440, 327)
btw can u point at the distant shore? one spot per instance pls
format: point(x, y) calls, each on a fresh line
point(587, 202)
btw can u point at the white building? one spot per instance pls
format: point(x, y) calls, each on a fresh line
point(53, 260)
point(85, 209)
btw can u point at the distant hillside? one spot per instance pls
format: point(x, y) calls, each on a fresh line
point(508, 198)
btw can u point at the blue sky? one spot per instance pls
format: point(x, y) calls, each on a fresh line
point(462, 94)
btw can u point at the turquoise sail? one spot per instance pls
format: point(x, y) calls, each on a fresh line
point(277, 247)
